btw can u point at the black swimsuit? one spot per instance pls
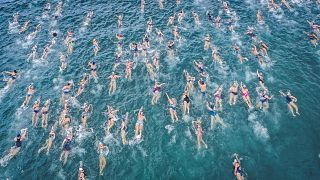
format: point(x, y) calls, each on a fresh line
point(186, 99)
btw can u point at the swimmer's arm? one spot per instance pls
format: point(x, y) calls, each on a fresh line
point(282, 93)
point(208, 107)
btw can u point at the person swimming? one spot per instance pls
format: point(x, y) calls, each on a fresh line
point(199, 133)
point(156, 93)
point(139, 124)
point(172, 108)
point(66, 149)
point(291, 102)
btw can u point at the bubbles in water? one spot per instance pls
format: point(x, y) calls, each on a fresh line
point(260, 131)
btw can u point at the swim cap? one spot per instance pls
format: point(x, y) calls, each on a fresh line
point(54, 34)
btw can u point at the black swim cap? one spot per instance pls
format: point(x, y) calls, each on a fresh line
point(54, 34)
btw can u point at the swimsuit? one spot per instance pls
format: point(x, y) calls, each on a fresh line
point(289, 99)
point(18, 143)
point(263, 99)
point(212, 113)
point(66, 146)
point(172, 106)
point(234, 93)
point(139, 122)
point(186, 99)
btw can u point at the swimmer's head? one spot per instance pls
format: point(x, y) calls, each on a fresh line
point(15, 71)
point(54, 34)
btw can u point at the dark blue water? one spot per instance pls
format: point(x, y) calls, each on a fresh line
point(273, 144)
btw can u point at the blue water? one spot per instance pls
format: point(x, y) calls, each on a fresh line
point(273, 144)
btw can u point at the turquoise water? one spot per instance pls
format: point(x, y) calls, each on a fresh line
point(273, 144)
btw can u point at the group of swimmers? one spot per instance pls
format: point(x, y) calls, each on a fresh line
point(142, 50)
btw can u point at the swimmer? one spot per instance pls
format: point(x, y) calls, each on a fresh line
point(139, 123)
point(156, 61)
point(124, 129)
point(245, 95)
point(215, 118)
point(217, 21)
point(66, 90)
point(218, 98)
point(263, 100)
point(196, 18)
point(63, 62)
point(146, 41)
point(190, 80)
point(81, 174)
point(66, 148)
point(103, 151)
point(291, 102)
point(120, 18)
point(156, 92)
point(284, 2)
point(237, 169)
point(170, 20)
point(24, 27)
point(263, 47)
point(150, 69)
point(159, 35)
point(44, 112)
point(142, 4)
point(186, 103)
point(175, 33)
point(225, 7)
point(113, 83)
point(200, 68)
point(207, 43)
point(149, 23)
point(117, 60)
point(33, 53)
point(112, 117)
point(261, 80)
point(30, 92)
point(21, 136)
point(161, 3)
point(13, 76)
point(209, 16)
point(96, 46)
point(134, 49)
point(49, 141)
point(70, 46)
point(86, 109)
point(255, 52)
point(203, 87)
point(315, 27)
point(199, 132)
point(259, 17)
point(170, 48)
point(144, 48)
point(272, 4)
point(129, 65)
point(313, 38)
point(65, 122)
point(241, 58)
point(93, 67)
point(15, 17)
point(88, 18)
point(83, 82)
point(58, 10)
point(250, 32)
point(180, 16)
point(215, 57)
point(233, 93)
point(46, 51)
point(172, 108)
